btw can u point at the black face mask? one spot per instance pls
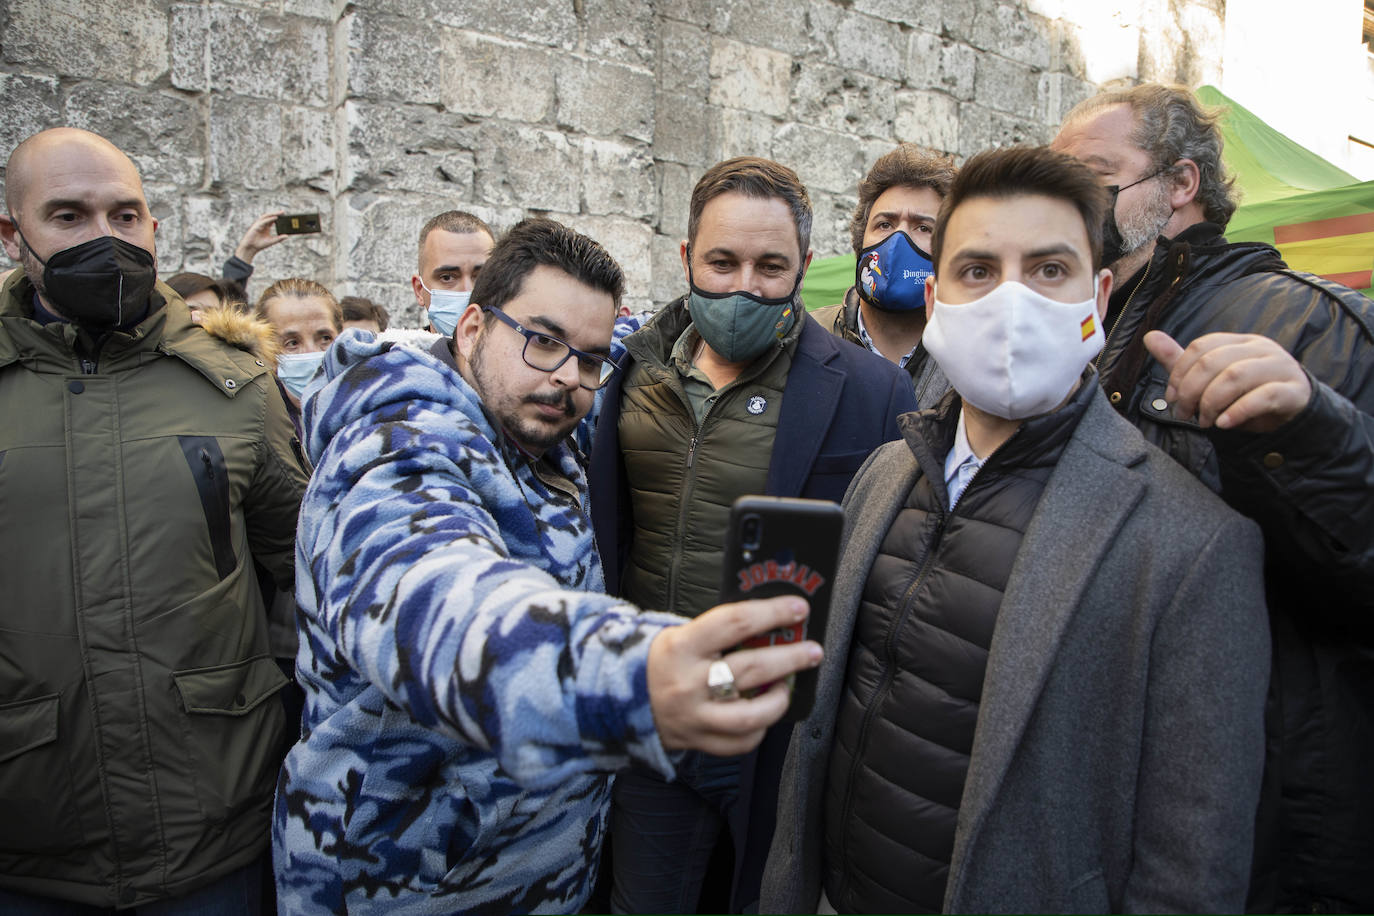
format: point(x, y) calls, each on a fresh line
point(1113, 245)
point(101, 284)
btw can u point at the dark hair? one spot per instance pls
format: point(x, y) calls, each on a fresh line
point(226, 291)
point(905, 167)
point(1170, 124)
point(356, 308)
point(753, 177)
point(299, 288)
point(1015, 171)
point(535, 242)
point(456, 221)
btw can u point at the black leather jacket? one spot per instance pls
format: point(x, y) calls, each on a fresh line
point(1310, 485)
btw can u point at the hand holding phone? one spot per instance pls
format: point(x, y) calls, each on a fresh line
point(680, 661)
point(298, 223)
point(778, 546)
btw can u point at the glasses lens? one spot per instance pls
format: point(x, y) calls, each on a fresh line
point(546, 353)
point(595, 372)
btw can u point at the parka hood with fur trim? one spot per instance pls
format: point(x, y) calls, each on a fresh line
point(244, 331)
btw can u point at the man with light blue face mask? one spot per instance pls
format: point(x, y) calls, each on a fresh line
point(453, 248)
point(729, 390)
point(891, 230)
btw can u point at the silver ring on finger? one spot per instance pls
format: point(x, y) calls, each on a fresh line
point(720, 681)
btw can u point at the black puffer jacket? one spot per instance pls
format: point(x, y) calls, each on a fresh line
point(1310, 485)
point(914, 678)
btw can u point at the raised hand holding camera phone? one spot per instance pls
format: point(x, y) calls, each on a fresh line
point(680, 668)
point(782, 546)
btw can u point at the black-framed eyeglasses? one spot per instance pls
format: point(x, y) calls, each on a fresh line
point(547, 353)
point(1114, 189)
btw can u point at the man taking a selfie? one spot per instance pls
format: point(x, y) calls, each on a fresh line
point(469, 687)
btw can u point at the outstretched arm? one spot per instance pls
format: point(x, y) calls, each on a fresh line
point(417, 588)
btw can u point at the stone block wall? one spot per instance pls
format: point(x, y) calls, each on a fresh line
point(600, 113)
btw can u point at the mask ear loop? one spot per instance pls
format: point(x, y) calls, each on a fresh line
point(25, 242)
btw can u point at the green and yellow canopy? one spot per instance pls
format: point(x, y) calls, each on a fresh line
point(1320, 217)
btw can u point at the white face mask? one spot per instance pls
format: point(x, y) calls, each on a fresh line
point(296, 369)
point(1013, 353)
point(446, 306)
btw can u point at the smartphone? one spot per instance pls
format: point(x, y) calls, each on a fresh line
point(779, 546)
point(298, 223)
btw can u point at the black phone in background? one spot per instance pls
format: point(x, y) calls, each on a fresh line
point(782, 546)
point(298, 223)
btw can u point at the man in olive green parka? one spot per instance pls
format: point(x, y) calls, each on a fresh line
point(143, 464)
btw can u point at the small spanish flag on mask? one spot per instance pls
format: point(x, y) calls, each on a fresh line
point(1088, 326)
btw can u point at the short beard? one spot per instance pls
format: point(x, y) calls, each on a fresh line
point(531, 435)
point(1143, 226)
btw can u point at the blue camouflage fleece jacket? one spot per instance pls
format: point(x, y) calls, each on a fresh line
point(468, 688)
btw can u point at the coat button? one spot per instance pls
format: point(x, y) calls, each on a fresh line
point(240, 700)
point(260, 362)
point(1273, 461)
point(816, 733)
point(1160, 404)
point(75, 387)
point(1115, 397)
point(230, 383)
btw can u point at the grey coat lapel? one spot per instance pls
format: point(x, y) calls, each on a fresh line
point(1063, 548)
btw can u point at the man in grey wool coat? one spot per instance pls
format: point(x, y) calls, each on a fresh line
point(1047, 653)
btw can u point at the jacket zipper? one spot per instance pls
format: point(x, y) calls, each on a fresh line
point(890, 655)
point(688, 485)
point(1106, 345)
point(675, 565)
point(871, 712)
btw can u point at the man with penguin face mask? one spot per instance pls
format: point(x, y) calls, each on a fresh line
point(891, 229)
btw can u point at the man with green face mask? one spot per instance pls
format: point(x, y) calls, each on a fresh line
point(729, 390)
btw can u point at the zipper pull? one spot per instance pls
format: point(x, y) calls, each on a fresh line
point(692, 451)
point(209, 465)
point(87, 367)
